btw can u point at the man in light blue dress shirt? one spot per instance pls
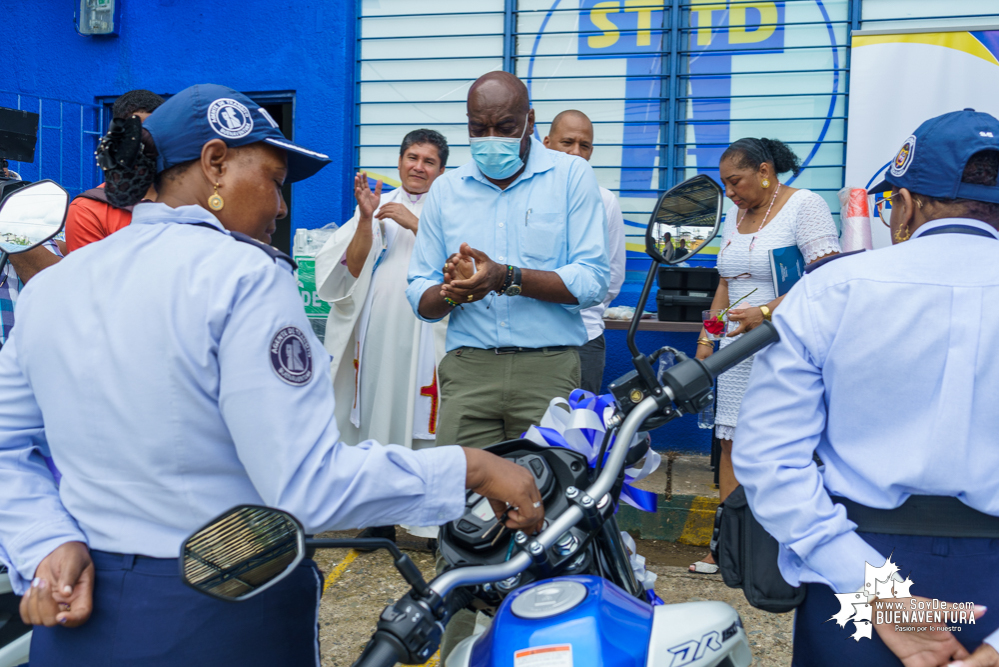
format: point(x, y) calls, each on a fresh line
point(886, 369)
point(513, 245)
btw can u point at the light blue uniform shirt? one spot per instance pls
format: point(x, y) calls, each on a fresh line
point(143, 364)
point(551, 218)
point(887, 367)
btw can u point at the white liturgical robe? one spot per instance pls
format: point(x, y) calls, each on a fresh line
point(385, 360)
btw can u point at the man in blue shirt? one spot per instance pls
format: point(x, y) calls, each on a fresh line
point(513, 245)
point(886, 369)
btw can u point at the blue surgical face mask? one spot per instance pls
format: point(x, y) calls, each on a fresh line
point(498, 157)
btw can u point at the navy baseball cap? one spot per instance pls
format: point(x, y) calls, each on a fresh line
point(931, 161)
point(196, 115)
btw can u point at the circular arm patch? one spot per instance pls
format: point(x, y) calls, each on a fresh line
point(291, 356)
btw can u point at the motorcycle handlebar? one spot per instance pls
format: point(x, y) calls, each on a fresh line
point(749, 344)
point(381, 651)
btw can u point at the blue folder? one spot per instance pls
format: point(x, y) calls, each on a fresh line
point(787, 265)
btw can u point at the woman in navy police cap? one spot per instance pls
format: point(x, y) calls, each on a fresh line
point(887, 369)
point(171, 373)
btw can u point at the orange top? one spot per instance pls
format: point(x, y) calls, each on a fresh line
point(89, 220)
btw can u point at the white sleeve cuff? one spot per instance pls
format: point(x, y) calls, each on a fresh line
point(582, 285)
point(445, 496)
point(840, 561)
point(26, 559)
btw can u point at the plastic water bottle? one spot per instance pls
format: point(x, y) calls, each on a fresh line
point(666, 361)
point(706, 417)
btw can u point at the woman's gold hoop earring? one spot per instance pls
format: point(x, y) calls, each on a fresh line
point(898, 235)
point(215, 202)
point(765, 183)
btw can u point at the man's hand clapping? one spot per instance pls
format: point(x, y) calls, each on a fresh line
point(462, 287)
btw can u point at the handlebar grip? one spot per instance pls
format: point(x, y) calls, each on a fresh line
point(381, 651)
point(748, 345)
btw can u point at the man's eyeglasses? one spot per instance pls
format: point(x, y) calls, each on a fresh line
point(880, 205)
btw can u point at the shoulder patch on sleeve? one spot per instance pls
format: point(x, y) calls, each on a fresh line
point(291, 356)
point(271, 251)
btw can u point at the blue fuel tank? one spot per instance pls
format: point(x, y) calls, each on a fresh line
point(575, 621)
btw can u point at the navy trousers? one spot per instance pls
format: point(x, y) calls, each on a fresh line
point(948, 568)
point(145, 615)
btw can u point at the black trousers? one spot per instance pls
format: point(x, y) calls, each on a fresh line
point(592, 358)
point(145, 615)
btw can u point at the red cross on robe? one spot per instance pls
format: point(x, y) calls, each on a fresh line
point(430, 391)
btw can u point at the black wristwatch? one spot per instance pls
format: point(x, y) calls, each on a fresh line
point(511, 286)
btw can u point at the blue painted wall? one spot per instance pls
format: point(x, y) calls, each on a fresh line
point(681, 434)
point(304, 47)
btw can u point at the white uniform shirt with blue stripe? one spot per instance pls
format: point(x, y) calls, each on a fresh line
point(551, 218)
point(887, 368)
point(142, 364)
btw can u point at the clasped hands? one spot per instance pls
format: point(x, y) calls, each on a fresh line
point(920, 644)
point(469, 275)
point(62, 591)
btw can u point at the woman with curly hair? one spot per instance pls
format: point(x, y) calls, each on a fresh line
point(765, 214)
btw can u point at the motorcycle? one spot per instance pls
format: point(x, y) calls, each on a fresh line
point(30, 215)
point(567, 596)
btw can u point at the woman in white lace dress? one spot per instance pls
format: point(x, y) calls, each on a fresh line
point(766, 215)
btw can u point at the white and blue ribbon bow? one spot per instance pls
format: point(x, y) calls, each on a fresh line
point(645, 578)
point(579, 424)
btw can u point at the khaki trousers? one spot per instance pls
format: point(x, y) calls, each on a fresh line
point(488, 397)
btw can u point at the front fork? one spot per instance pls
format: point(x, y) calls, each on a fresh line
point(619, 565)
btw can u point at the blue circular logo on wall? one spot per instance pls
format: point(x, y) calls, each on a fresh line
point(291, 356)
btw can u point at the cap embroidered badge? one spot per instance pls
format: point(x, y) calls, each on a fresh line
point(904, 157)
point(229, 118)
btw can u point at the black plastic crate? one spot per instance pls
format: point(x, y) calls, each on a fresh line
point(676, 307)
point(689, 280)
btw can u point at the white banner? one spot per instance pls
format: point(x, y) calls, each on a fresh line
point(897, 81)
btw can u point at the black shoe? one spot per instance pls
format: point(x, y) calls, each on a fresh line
point(384, 532)
point(432, 545)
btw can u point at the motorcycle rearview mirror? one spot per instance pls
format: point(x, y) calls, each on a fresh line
point(250, 548)
point(242, 552)
point(32, 215)
point(686, 218)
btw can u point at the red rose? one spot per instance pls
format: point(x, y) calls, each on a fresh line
point(714, 326)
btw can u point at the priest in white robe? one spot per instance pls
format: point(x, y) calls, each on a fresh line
point(385, 360)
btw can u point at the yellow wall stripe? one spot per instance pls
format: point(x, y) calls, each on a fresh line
point(384, 179)
point(960, 41)
point(700, 522)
